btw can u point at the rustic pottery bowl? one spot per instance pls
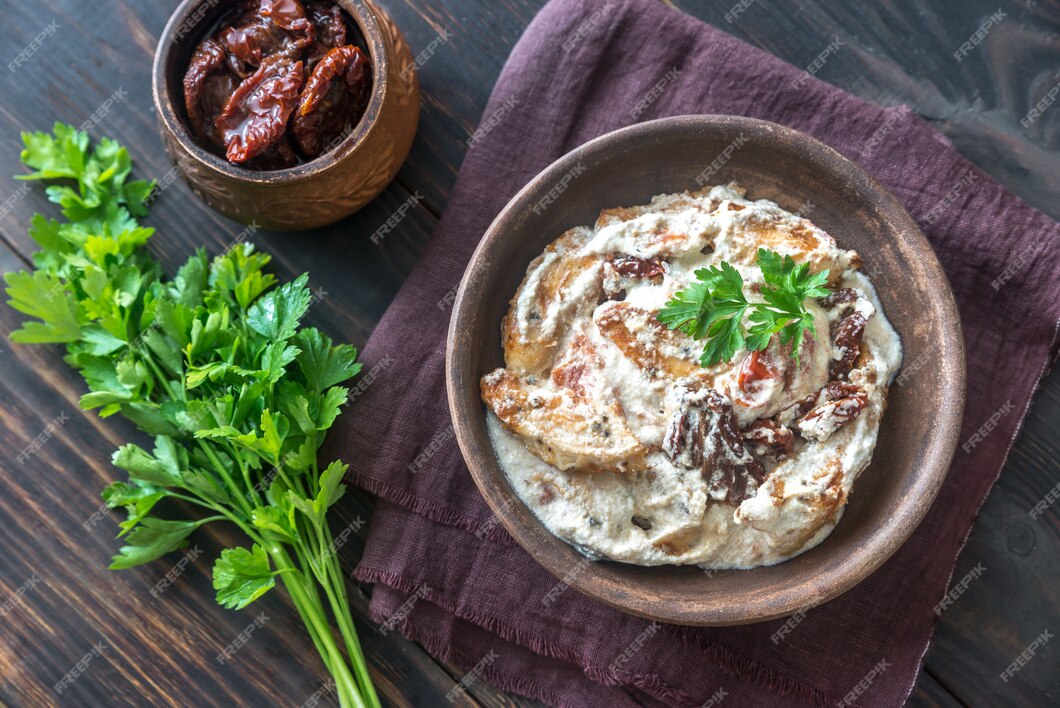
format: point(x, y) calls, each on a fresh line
point(919, 431)
point(320, 191)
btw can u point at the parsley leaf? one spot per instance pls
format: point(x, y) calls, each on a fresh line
point(275, 315)
point(786, 290)
point(163, 468)
point(714, 307)
point(331, 486)
point(138, 499)
point(322, 364)
point(101, 198)
point(274, 519)
point(151, 539)
point(241, 576)
point(688, 310)
point(44, 296)
point(56, 155)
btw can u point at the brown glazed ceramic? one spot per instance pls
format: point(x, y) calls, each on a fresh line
point(322, 190)
point(919, 430)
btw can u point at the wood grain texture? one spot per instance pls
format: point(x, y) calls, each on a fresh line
point(903, 52)
point(163, 651)
point(929, 693)
point(1017, 594)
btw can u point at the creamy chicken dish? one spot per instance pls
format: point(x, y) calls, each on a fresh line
point(623, 444)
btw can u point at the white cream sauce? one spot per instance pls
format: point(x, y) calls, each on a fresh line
point(664, 514)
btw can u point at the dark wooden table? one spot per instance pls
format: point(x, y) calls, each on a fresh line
point(63, 605)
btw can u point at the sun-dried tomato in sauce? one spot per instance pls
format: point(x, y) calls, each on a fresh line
point(632, 267)
point(842, 403)
point(756, 367)
point(840, 297)
point(767, 437)
point(847, 340)
point(703, 434)
point(277, 83)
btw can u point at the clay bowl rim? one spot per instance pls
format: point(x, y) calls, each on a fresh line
point(775, 599)
point(170, 113)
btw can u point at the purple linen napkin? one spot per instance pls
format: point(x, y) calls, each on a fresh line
point(446, 573)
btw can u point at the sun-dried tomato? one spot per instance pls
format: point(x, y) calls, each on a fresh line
point(792, 413)
point(278, 156)
point(249, 44)
point(838, 389)
point(204, 88)
point(842, 296)
point(756, 367)
point(287, 14)
point(334, 98)
point(631, 267)
point(271, 28)
point(239, 84)
point(770, 438)
point(256, 114)
point(330, 29)
point(847, 339)
point(215, 94)
point(801, 408)
point(703, 434)
point(844, 403)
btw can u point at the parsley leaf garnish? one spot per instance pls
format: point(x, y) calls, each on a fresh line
point(785, 292)
point(714, 307)
point(215, 365)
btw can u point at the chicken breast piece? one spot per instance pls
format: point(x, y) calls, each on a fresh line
point(770, 227)
point(669, 226)
point(560, 284)
point(577, 423)
point(649, 344)
point(665, 203)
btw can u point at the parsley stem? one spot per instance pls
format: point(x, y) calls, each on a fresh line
point(252, 489)
point(341, 609)
point(330, 577)
point(335, 586)
point(241, 499)
point(302, 593)
point(310, 627)
point(160, 377)
point(317, 545)
point(286, 479)
point(163, 383)
point(193, 500)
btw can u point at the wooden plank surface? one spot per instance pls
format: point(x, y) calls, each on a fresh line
point(163, 650)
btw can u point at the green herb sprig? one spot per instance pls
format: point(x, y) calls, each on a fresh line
point(714, 307)
point(213, 364)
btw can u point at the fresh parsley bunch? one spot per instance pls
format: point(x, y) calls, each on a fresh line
point(715, 305)
point(215, 366)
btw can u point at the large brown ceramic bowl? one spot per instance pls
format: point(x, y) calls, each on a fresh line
point(919, 430)
point(320, 191)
